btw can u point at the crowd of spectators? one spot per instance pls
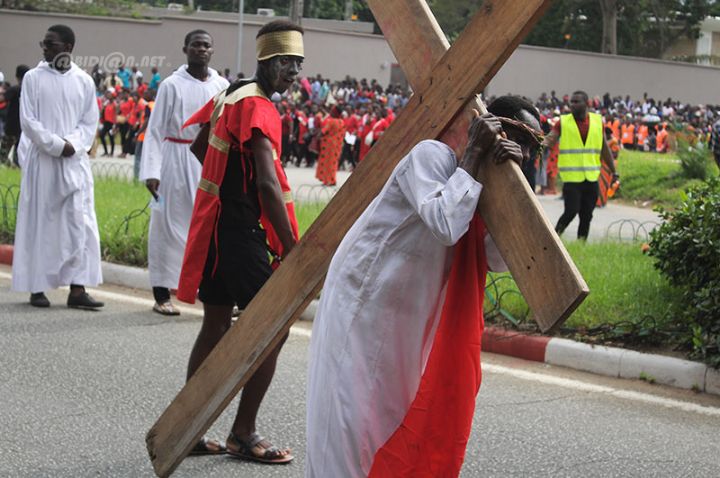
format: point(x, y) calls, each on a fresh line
point(367, 109)
point(364, 109)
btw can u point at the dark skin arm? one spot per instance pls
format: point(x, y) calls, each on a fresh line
point(200, 145)
point(271, 199)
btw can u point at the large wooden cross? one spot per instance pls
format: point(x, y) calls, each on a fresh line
point(445, 83)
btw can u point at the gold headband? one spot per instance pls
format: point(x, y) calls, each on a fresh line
point(289, 42)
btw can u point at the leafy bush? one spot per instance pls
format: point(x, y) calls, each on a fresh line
point(687, 250)
point(694, 159)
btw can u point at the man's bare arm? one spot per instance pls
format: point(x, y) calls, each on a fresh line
point(551, 139)
point(200, 145)
point(271, 199)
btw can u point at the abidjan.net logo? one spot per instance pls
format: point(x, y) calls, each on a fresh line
point(62, 61)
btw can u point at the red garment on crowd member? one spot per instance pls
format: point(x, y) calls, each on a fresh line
point(302, 126)
point(139, 111)
point(352, 123)
point(364, 131)
point(331, 144)
point(379, 128)
point(245, 109)
point(318, 121)
point(126, 109)
point(314, 146)
point(306, 86)
point(110, 112)
point(141, 89)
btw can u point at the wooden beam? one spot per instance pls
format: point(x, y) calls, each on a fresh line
point(546, 275)
point(462, 72)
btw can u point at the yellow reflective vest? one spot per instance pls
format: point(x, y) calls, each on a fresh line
point(578, 162)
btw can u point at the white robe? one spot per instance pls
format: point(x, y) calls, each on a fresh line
point(56, 236)
point(178, 170)
point(380, 307)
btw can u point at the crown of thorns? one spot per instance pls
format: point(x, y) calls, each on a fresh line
point(535, 135)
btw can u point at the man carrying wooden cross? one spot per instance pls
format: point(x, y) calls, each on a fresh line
point(226, 255)
point(395, 352)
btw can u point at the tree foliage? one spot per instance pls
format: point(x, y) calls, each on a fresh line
point(644, 27)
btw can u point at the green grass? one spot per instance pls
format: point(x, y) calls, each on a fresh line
point(306, 214)
point(122, 223)
point(623, 284)
point(653, 178)
point(118, 206)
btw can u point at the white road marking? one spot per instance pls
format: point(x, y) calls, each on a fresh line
point(499, 369)
point(589, 387)
point(129, 299)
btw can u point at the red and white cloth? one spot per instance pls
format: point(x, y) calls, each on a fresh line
point(395, 351)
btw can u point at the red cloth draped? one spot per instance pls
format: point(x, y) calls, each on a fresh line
point(432, 438)
point(234, 127)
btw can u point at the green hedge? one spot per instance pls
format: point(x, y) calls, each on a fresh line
point(687, 251)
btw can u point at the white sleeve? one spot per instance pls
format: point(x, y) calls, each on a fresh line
point(151, 160)
point(83, 135)
point(48, 142)
point(443, 195)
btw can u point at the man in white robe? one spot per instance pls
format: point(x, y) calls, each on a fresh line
point(56, 236)
point(384, 294)
point(170, 171)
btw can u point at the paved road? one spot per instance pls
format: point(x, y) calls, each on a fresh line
point(615, 221)
point(78, 391)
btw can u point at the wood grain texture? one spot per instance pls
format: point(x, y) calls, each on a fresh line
point(461, 72)
point(538, 261)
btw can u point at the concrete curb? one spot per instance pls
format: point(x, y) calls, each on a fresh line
point(601, 360)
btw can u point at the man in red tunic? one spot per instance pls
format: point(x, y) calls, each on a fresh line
point(226, 256)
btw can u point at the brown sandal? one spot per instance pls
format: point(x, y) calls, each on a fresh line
point(243, 449)
point(207, 446)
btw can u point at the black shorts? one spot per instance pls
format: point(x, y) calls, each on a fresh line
point(242, 268)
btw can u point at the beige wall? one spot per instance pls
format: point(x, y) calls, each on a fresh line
point(533, 70)
point(332, 54)
point(715, 49)
point(529, 71)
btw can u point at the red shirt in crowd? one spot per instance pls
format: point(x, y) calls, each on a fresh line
point(583, 126)
point(126, 109)
point(302, 127)
point(352, 122)
point(110, 113)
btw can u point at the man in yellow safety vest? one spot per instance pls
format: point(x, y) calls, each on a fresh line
point(582, 147)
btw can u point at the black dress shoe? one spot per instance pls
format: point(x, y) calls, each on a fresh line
point(38, 299)
point(83, 301)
